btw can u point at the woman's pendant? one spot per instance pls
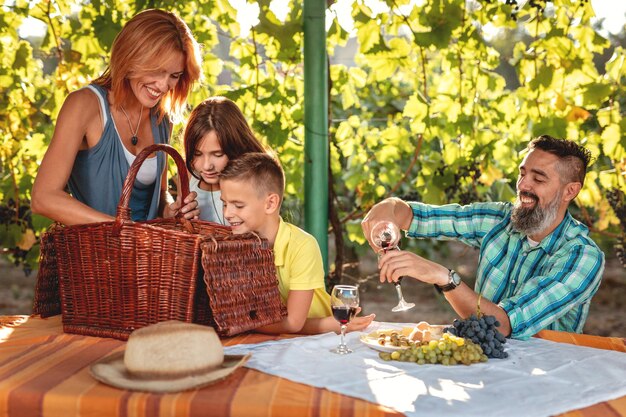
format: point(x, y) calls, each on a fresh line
point(134, 140)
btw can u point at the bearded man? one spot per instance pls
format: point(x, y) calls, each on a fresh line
point(538, 267)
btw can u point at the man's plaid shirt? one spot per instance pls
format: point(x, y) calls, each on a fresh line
point(548, 286)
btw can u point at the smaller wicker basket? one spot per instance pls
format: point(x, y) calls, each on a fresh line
point(242, 285)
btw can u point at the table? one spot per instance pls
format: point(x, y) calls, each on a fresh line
point(45, 372)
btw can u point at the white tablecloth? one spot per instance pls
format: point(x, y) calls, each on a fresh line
point(540, 378)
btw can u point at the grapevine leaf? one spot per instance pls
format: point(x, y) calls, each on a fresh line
point(596, 92)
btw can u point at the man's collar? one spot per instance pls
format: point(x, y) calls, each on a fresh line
point(548, 242)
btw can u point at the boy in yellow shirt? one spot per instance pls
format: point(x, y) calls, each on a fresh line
point(252, 189)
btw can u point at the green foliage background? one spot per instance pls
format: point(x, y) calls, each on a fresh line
point(424, 111)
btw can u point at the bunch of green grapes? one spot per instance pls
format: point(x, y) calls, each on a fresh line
point(449, 350)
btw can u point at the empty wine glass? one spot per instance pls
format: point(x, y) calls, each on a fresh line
point(344, 300)
point(385, 235)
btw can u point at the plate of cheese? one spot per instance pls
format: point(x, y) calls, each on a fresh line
point(388, 340)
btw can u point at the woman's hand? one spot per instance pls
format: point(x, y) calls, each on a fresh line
point(398, 263)
point(190, 209)
point(359, 323)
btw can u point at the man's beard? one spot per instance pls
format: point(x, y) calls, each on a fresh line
point(531, 221)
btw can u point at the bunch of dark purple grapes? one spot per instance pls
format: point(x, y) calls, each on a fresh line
point(617, 200)
point(482, 331)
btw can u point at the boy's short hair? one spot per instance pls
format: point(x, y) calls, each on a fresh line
point(259, 168)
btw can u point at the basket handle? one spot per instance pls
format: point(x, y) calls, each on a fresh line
point(123, 210)
point(231, 237)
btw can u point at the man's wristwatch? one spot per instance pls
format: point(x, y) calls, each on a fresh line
point(454, 280)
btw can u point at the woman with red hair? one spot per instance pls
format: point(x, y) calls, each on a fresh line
point(154, 63)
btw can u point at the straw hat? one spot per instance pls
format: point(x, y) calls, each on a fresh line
point(169, 356)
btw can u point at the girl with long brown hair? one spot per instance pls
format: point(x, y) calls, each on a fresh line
point(216, 133)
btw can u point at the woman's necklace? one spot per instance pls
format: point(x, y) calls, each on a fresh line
point(220, 220)
point(134, 138)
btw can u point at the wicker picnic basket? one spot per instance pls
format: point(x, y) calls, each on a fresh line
point(117, 276)
point(47, 300)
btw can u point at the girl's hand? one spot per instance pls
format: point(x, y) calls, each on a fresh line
point(359, 323)
point(190, 210)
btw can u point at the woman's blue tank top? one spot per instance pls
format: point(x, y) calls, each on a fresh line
point(98, 173)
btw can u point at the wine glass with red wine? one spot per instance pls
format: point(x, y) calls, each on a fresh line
point(344, 300)
point(386, 237)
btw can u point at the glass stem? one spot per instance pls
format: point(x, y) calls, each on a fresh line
point(399, 290)
point(343, 333)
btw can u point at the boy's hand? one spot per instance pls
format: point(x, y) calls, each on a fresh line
point(359, 323)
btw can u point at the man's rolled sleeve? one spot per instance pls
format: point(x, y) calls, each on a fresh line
point(468, 224)
point(571, 280)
